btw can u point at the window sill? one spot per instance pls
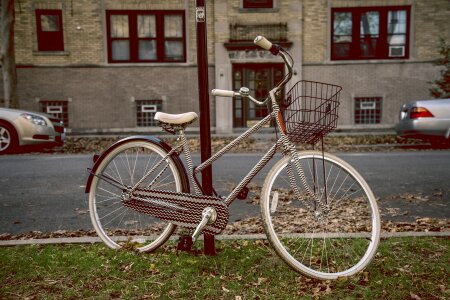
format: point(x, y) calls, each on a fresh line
point(367, 61)
point(51, 53)
point(151, 64)
point(259, 10)
point(250, 45)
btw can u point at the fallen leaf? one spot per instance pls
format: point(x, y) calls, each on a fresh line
point(414, 296)
point(261, 280)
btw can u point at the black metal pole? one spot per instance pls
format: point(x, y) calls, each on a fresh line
point(203, 89)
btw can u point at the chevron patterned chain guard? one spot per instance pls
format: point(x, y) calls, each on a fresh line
point(191, 207)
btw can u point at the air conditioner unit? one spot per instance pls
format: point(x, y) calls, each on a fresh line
point(149, 108)
point(367, 105)
point(54, 109)
point(396, 51)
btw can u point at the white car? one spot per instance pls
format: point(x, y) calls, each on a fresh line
point(426, 119)
point(20, 128)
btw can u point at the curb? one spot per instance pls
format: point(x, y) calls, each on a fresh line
point(92, 240)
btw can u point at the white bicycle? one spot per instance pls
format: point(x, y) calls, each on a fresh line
point(319, 214)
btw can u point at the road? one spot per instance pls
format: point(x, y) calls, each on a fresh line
point(46, 192)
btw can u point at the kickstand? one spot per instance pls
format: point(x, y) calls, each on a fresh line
point(185, 244)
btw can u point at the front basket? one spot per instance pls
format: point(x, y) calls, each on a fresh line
point(310, 111)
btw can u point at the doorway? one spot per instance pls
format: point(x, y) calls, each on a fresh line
point(259, 78)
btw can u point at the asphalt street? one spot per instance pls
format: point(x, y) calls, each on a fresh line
point(45, 192)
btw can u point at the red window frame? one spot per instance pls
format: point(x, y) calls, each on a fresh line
point(382, 45)
point(134, 39)
point(49, 40)
point(258, 4)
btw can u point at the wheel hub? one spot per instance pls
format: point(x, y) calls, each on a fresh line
point(4, 138)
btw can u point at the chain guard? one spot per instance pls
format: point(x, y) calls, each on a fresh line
point(192, 207)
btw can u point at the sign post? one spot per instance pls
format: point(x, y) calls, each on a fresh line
point(205, 128)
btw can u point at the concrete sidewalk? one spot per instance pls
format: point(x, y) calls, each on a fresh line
point(91, 240)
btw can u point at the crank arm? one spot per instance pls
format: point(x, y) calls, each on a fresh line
point(209, 216)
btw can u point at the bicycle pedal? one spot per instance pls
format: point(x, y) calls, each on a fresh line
point(243, 193)
point(185, 243)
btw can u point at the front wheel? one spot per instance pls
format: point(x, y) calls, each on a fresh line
point(126, 163)
point(329, 243)
point(8, 138)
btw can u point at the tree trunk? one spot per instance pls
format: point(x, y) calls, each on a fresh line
point(8, 59)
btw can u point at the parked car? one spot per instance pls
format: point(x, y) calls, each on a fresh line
point(427, 120)
point(20, 128)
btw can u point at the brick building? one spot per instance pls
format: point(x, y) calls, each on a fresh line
point(108, 65)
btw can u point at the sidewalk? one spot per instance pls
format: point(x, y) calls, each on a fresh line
point(91, 240)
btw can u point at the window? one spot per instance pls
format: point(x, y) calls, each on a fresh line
point(49, 30)
point(368, 110)
point(370, 33)
point(145, 112)
point(146, 36)
point(58, 109)
point(258, 4)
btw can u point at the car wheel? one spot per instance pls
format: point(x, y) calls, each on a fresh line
point(8, 138)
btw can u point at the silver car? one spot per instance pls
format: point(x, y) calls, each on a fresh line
point(20, 128)
point(427, 120)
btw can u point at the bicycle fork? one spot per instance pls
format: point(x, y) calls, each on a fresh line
point(290, 148)
point(296, 161)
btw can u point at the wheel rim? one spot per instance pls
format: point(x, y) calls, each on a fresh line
point(326, 246)
point(117, 225)
point(5, 138)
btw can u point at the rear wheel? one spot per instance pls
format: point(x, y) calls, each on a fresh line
point(8, 138)
point(117, 225)
point(319, 243)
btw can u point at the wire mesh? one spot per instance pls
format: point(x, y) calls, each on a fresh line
point(310, 111)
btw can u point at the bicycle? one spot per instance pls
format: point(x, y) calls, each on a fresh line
point(319, 214)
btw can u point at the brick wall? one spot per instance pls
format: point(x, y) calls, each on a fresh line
point(286, 11)
point(101, 93)
point(83, 25)
point(82, 28)
point(315, 30)
point(102, 98)
point(396, 83)
point(431, 22)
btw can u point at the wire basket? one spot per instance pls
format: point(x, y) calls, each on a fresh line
point(310, 111)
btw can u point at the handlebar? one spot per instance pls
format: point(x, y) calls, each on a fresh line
point(275, 50)
point(263, 42)
point(243, 92)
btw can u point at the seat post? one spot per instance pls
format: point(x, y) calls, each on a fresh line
point(187, 155)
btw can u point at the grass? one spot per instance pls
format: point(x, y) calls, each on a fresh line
point(404, 268)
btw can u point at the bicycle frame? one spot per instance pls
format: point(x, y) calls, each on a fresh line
point(275, 114)
point(288, 147)
point(255, 170)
